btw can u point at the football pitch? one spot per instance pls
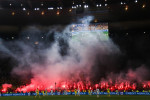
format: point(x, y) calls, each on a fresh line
point(82, 97)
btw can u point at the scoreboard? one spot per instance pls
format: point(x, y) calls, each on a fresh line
point(80, 31)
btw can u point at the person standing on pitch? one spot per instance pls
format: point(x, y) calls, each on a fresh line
point(65, 92)
point(45, 91)
point(51, 92)
point(91, 92)
point(78, 92)
point(97, 92)
point(37, 93)
point(75, 91)
point(108, 92)
point(117, 92)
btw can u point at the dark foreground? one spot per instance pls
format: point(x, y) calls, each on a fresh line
point(127, 97)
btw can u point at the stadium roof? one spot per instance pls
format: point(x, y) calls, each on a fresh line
point(65, 3)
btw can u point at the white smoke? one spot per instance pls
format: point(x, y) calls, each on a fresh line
point(47, 64)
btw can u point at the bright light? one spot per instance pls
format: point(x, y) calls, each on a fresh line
point(79, 5)
point(105, 4)
point(42, 4)
point(13, 13)
point(70, 10)
point(60, 7)
point(36, 43)
point(136, 1)
point(36, 8)
point(10, 4)
point(143, 6)
point(73, 7)
point(63, 86)
point(28, 37)
point(50, 8)
point(28, 13)
point(86, 6)
point(51, 87)
point(73, 25)
point(121, 3)
point(24, 9)
point(126, 8)
point(98, 5)
point(57, 13)
point(95, 21)
point(42, 13)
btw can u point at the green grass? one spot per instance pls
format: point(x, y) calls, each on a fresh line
point(85, 97)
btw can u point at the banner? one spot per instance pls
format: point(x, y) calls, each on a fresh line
point(81, 93)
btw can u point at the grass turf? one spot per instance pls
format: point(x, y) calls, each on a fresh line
point(83, 97)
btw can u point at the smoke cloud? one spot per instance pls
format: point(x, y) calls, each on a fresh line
point(49, 55)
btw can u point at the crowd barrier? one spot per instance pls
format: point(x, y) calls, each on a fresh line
point(81, 93)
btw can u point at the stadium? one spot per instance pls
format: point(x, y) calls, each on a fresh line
point(74, 49)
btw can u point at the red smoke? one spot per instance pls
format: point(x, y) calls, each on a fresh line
point(131, 81)
point(5, 87)
point(103, 85)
